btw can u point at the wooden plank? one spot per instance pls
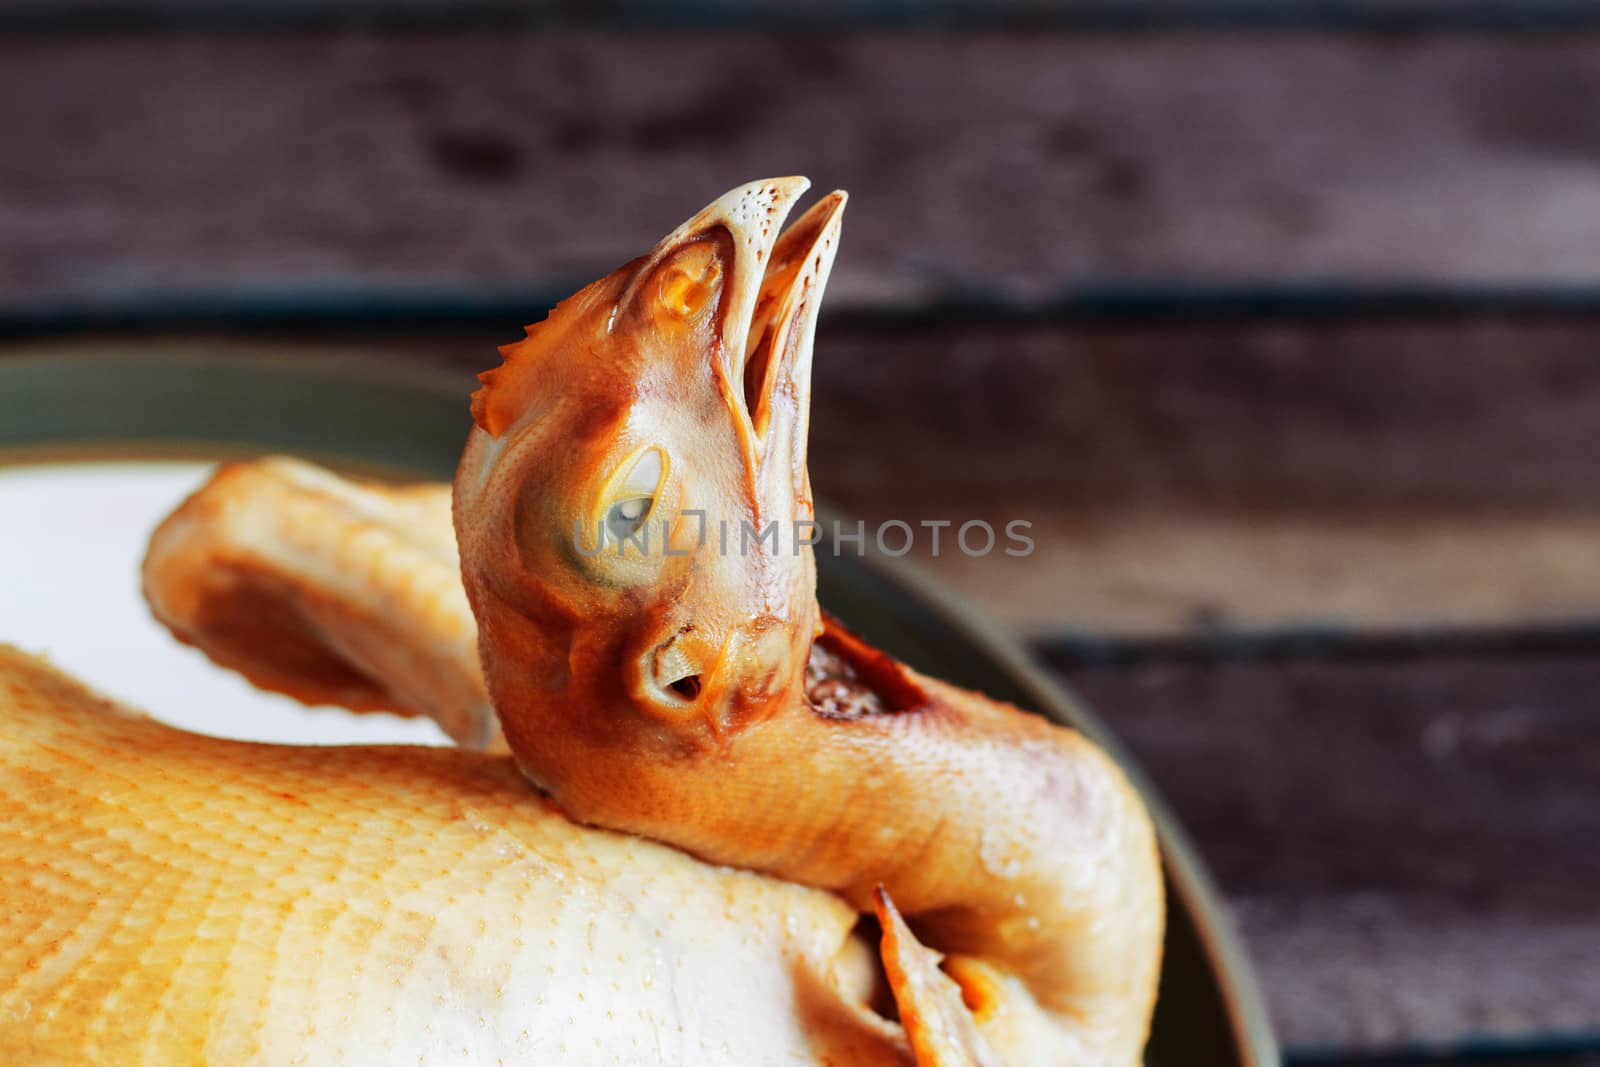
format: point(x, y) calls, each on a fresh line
point(1408, 842)
point(1175, 573)
point(1318, 416)
point(33, 15)
point(1208, 475)
point(1003, 169)
point(1202, 475)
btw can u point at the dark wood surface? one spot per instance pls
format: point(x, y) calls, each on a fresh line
point(57, 15)
point(1015, 170)
point(1407, 838)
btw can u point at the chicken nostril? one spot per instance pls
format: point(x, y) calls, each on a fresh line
point(688, 688)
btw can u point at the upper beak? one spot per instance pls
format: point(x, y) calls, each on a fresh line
point(773, 285)
point(751, 215)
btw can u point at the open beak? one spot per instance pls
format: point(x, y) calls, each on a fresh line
point(771, 293)
point(751, 215)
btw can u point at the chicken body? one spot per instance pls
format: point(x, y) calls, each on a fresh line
point(170, 898)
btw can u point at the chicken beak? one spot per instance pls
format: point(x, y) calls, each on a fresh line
point(751, 216)
point(771, 280)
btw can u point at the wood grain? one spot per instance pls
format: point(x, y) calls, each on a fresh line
point(1407, 840)
point(993, 169)
point(1318, 415)
point(1127, 14)
point(1174, 573)
point(1201, 474)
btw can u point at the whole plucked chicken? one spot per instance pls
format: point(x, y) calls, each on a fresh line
point(680, 785)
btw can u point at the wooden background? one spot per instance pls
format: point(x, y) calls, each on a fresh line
point(1279, 322)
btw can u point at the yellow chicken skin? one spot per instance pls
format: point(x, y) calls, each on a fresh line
point(170, 898)
point(326, 590)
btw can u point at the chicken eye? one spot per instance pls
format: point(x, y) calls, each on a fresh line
point(626, 516)
point(635, 495)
